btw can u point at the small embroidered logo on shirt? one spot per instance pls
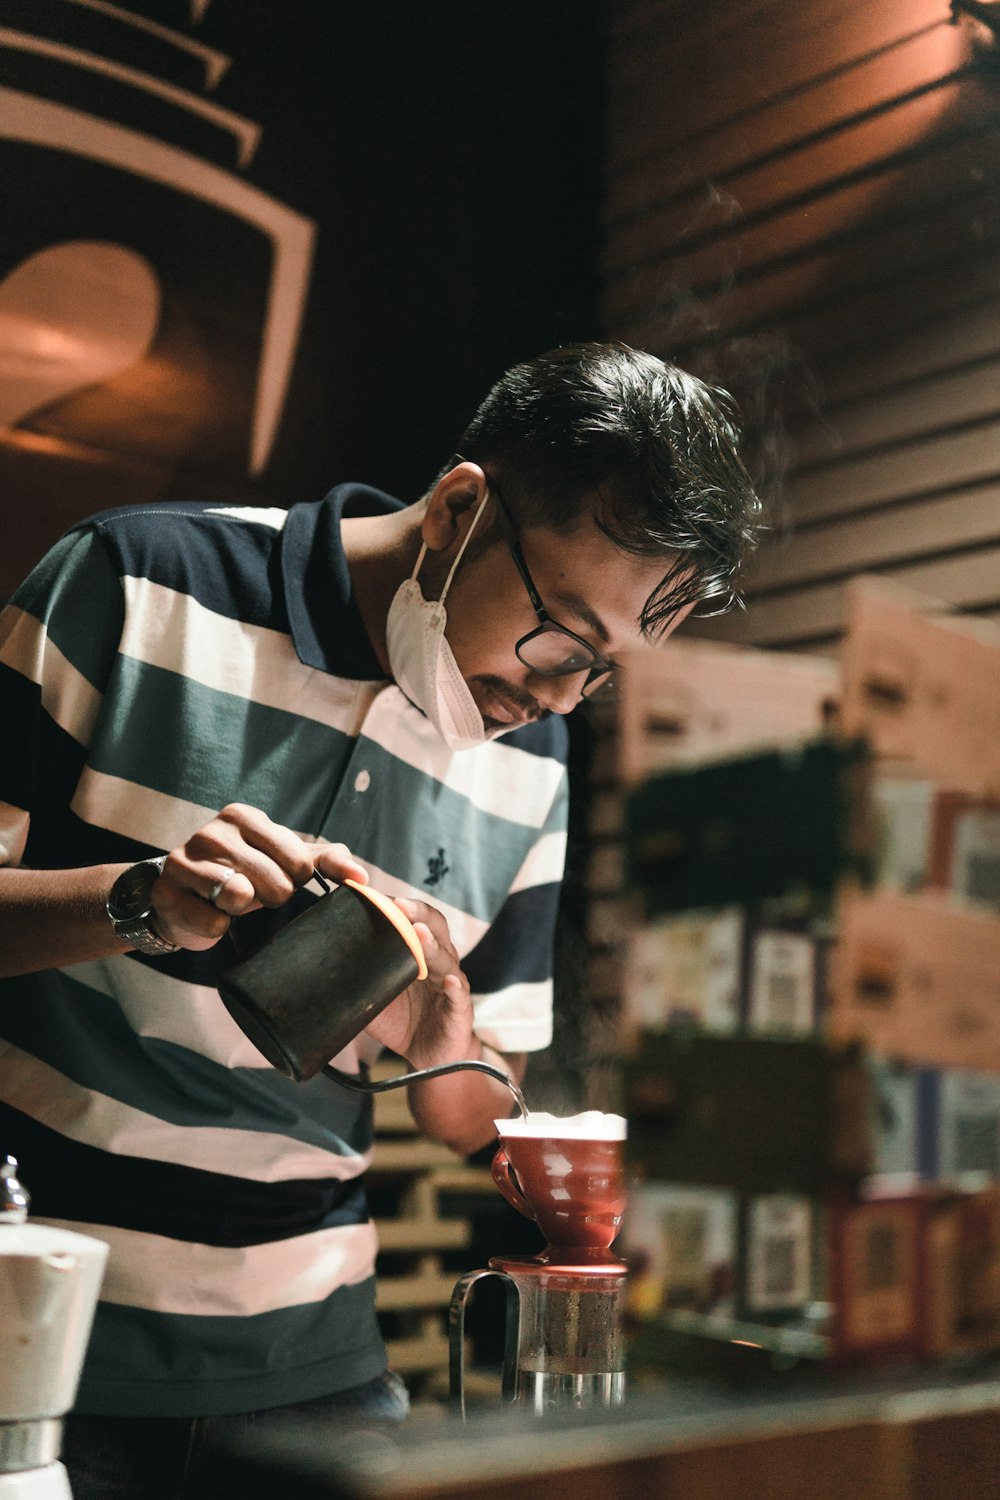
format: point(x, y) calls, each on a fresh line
point(437, 868)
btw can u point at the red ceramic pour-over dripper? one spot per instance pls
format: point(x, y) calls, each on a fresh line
point(573, 1189)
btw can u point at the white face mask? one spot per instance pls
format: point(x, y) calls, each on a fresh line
point(423, 663)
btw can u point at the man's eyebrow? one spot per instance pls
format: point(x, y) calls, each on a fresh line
point(586, 613)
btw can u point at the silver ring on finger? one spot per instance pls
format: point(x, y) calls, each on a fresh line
point(220, 886)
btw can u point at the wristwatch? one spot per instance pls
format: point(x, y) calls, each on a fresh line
point(130, 909)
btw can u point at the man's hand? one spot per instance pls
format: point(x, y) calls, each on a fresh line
point(431, 1022)
point(250, 862)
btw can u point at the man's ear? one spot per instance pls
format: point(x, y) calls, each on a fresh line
point(452, 506)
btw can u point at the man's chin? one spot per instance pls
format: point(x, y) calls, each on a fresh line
point(494, 727)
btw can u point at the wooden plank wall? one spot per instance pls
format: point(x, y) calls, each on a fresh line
point(802, 202)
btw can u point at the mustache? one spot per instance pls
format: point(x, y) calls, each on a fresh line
point(515, 696)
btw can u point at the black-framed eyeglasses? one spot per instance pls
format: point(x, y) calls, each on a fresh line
point(550, 649)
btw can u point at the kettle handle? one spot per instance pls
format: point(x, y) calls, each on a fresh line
point(506, 1180)
point(456, 1337)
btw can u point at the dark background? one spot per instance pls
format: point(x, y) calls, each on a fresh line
point(449, 154)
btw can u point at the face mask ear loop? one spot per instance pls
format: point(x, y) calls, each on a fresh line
point(465, 542)
point(420, 557)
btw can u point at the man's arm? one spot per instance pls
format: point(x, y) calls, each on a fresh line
point(459, 1108)
point(50, 918)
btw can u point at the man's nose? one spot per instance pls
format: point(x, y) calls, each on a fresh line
point(559, 695)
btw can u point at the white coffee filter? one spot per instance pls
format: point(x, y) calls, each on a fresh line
point(592, 1125)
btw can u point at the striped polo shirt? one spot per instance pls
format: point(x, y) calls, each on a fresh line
point(161, 662)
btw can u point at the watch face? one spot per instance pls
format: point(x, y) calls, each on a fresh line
point(130, 894)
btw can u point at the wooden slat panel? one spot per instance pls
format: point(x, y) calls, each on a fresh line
point(947, 170)
point(409, 1156)
point(857, 323)
point(724, 153)
point(940, 343)
point(459, 1178)
point(888, 536)
point(845, 169)
point(950, 460)
point(424, 1351)
point(924, 406)
point(812, 613)
point(871, 144)
point(815, 286)
point(428, 1288)
point(674, 74)
point(423, 1234)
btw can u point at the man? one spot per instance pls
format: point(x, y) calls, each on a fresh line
point(365, 689)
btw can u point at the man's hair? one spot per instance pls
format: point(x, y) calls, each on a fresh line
point(648, 449)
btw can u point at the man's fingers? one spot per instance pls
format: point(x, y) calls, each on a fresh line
point(429, 943)
point(232, 892)
point(273, 859)
point(427, 916)
point(337, 861)
point(443, 963)
point(239, 861)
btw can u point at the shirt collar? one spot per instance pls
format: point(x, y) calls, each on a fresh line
point(326, 625)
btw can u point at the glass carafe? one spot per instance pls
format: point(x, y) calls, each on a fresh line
point(564, 1345)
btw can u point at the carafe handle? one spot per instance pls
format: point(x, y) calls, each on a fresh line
point(506, 1180)
point(456, 1337)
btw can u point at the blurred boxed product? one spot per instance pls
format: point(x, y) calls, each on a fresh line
point(680, 1244)
point(904, 1105)
point(878, 1247)
point(688, 968)
point(964, 848)
point(935, 839)
point(697, 703)
point(757, 1114)
point(777, 1270)
point(783, 986)
point(917, 979)
point(778, 825)
point(722, 970)
point(921, 685)
point(915, 1276)
point(962, 1129)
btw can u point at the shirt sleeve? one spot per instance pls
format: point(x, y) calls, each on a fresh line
point(58, 641)
point(510, 968)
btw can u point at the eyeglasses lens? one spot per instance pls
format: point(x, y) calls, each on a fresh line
point(596, 684)
point(555, 653)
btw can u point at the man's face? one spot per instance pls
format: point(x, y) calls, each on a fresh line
point(586, 583)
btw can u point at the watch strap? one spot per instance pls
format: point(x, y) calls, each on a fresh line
point(139, 934)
